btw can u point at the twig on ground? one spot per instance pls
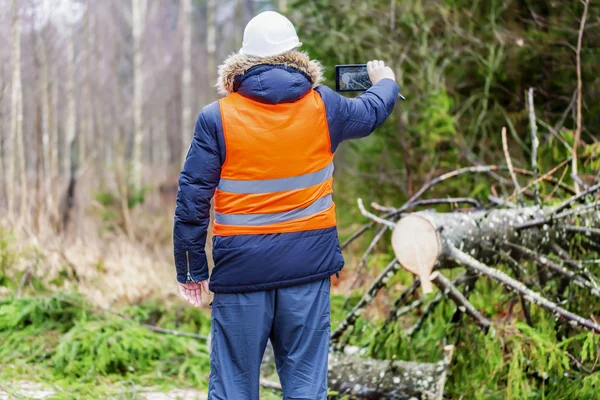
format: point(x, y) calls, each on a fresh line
point(470, 282)
point(430, 307)
point(577, 137)
point(170, 331)
point(449, 290)
point(403, 298)
point(363, 259)
point(578, 180)
point(519, 271)
point(536, 181)
point(510, 167)
point(125, 317)
point(500, 202)
point(367, 298)
point(549, 179)
point(428, 310)
point(394, 312)
point(555, 188)
point(534, 144)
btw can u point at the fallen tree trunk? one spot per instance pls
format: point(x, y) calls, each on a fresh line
point(426, 240)
point(366, 378)
point(423, 240)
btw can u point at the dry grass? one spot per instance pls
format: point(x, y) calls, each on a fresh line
point(108, 266)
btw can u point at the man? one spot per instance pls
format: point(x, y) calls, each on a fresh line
point(265, 152)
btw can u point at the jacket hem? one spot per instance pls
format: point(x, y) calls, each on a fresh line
point(274, 285)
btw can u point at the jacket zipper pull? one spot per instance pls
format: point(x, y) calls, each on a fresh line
point(189, 275)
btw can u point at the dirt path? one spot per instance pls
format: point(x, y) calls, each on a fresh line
point(33, 390)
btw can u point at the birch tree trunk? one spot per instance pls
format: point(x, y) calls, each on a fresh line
point(16, 152)
point(211, 48)
point(47, 148)
point(21, 153)
point(71, 118)
point(70, 149)
point(186, 78)
point(53, 118)
point(138, 17)
point(10, 165)
point(87, 132)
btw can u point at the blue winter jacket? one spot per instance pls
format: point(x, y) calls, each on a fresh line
point(246, 263)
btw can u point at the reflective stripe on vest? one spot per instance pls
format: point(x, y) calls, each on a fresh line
point(321, 204)
point(277, 176)
point(276, 185)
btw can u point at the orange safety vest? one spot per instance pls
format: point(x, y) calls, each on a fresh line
point(278, 171)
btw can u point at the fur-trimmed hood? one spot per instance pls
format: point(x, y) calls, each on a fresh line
point(237, 65)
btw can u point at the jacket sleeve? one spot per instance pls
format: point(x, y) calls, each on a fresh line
point(197, 183)
point(356, 118)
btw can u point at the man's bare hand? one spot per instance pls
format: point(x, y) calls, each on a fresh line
point(192, 292)
point(378, 71)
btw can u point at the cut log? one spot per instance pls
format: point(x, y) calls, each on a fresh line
point(407, 237)
point(473, 239)
point(475, 233)
point(367, 378)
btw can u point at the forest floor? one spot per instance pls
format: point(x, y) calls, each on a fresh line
point(33, 390)
point(74, 319)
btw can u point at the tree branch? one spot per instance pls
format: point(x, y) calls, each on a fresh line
point(534, 145)
point(367, 298)
point(510, 167)
point(517, 286)
point(590, 284)
point(553, 216)
point(577, 138)
point(461, 301)
point(374, 217)
point(363, 259)
point(582, 229)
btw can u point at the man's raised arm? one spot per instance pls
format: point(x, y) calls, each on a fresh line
point(356, 118)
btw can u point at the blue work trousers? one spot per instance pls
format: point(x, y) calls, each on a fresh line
point(296, 319)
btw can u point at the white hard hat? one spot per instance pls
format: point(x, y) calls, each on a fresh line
point(269, 34)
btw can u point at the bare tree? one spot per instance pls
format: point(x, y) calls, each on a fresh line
point(70, 151)
point(211, 47)
point(86, 136)
point(47, 121)
point(17, 153)
point(71, 118)
point(138, 13)
point(186, 76)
